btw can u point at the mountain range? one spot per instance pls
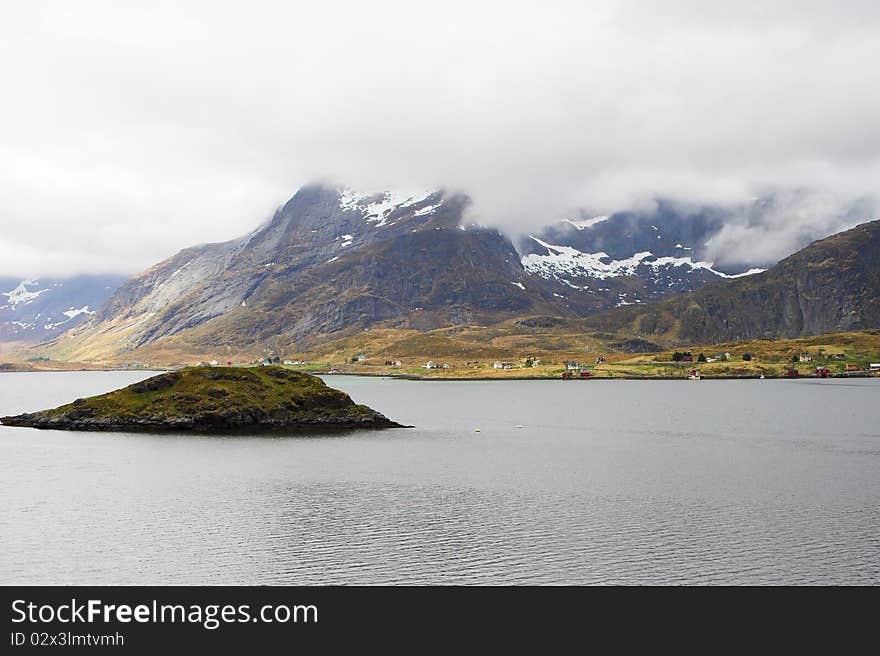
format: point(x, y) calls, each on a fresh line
point(332, 263)
point(33, 310)
point(831, 285)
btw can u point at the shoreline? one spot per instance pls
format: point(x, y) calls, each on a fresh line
point(416, 377)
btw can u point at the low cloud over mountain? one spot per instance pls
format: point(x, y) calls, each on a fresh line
point(148, 127)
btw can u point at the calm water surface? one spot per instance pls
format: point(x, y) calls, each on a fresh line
point(605, 482)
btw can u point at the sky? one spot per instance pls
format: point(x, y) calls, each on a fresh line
point(131, 130)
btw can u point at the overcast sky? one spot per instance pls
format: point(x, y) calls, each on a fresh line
point(130, 130)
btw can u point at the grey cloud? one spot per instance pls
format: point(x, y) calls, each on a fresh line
point(784, 222)
point(130, 130)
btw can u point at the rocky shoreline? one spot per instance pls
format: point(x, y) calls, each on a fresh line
point(220, 423)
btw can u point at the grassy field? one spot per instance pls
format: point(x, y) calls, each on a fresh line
point(468, 357)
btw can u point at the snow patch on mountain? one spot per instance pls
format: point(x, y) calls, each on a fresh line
point(428, 209)
point(71, 313)
point(583, 224)
point(376, 207)
point(750, 272)
point(562, 262)
point(21, 294)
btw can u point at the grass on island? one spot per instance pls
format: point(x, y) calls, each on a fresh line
point(200, 391)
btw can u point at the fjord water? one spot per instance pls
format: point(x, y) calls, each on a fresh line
point(741, 482)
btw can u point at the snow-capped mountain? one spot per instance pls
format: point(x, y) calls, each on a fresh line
point(38, 309)
point(318, 226)
point(333, 262)
point(330, 260)
point(592, 271)
point(608, 261)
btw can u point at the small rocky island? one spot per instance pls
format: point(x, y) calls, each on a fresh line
point(213, 399)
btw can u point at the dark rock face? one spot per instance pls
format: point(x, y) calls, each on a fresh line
point(154, 384)
point(423, 279)
point(212, 400)
point(635, 346)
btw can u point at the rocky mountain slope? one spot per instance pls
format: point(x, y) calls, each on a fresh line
point(33, 310)
point(329, 260)
point(832, 285)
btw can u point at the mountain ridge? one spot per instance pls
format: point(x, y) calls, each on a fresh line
point(36, 309)
point(331, 262)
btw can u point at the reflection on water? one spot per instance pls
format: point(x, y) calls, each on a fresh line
point(607, 482)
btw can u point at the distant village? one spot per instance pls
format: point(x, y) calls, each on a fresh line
point(684, 365)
